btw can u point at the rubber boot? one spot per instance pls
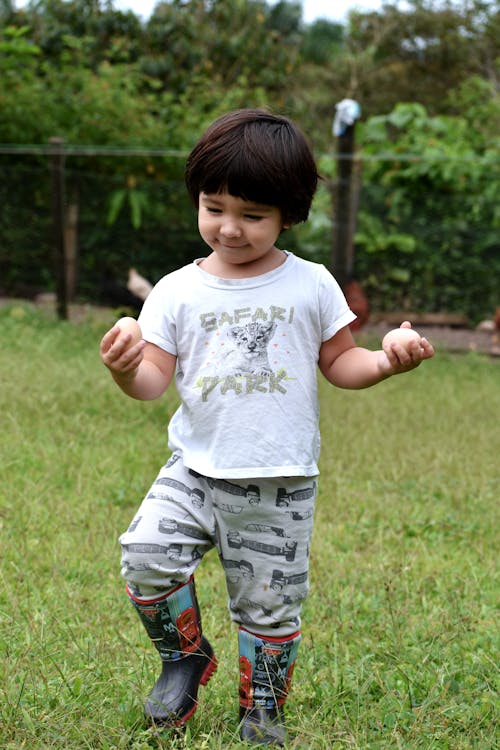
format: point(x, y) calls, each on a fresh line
point(266, 667)
point(173, 623)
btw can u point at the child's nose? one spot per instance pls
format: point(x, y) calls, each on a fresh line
point(230, 228)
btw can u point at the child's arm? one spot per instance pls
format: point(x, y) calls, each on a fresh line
point(142, 371)
point(349, 366)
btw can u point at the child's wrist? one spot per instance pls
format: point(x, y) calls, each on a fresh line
point(125, 378)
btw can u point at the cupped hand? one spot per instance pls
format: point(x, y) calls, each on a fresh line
point(117, 354)
point(396, 358)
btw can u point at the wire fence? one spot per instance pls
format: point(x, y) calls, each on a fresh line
point(75, 219)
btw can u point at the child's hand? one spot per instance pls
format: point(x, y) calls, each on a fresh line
point(398, 357)
point(119, 356)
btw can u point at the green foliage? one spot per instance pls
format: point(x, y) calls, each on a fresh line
point(400, 646)
point(438, 171)
point(322, 42)
point(421, 51)
point(83, 71)
point(134, 198)
point(429, 217)
point(14, 46)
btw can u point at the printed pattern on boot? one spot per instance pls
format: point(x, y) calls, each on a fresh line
point(266, 668)
point(173, 623)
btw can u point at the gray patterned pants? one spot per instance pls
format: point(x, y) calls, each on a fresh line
point(261, 529)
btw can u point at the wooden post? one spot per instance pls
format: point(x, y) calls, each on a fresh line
point(355, 190)
point(71, 249)
point(58, 223)
point(343, 230)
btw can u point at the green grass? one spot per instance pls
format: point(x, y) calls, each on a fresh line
point(400, 632)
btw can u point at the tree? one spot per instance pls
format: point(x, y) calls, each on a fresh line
point(430, 219)
point(322, 42)
point(421, 52)
point(224, 42)
point(92, 75)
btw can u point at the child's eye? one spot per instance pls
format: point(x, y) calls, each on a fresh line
point(253, 217)
point(212, 210)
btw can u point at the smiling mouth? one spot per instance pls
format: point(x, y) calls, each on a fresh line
point(231, 247)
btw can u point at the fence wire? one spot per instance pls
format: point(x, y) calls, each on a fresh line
point(129, 208)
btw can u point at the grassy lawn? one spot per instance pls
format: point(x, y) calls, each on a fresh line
point(400, 632)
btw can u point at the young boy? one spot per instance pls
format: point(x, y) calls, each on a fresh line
point(243, 330)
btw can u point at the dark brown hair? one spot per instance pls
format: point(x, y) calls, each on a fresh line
point(256, 156)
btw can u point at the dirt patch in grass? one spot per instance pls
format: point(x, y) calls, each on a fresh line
point(443, 337)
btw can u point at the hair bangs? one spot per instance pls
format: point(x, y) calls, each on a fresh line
point(256, 156)
point(242, 173)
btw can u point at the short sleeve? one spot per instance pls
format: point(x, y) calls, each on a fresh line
point(334, 310)
point(157, 320)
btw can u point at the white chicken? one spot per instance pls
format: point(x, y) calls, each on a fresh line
point(138, 285)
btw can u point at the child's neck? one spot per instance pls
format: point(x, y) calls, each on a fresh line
point(268, 262)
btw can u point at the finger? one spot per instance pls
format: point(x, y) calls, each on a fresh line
point(132, 357)
point(397, 355)
point(109, 338)
point(134, 351)
point(121, 344)
point(412, 355)
point(414, 348)
point(387, 348)
point(427, 347)
point(134, 363)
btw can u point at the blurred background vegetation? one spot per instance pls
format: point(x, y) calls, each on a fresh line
point(129, 97)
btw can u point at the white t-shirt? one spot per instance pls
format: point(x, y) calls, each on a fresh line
point(247, 355)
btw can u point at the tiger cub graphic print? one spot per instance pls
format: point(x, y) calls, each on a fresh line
point(249, 355)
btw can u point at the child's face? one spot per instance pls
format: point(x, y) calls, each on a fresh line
point(238, 231)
